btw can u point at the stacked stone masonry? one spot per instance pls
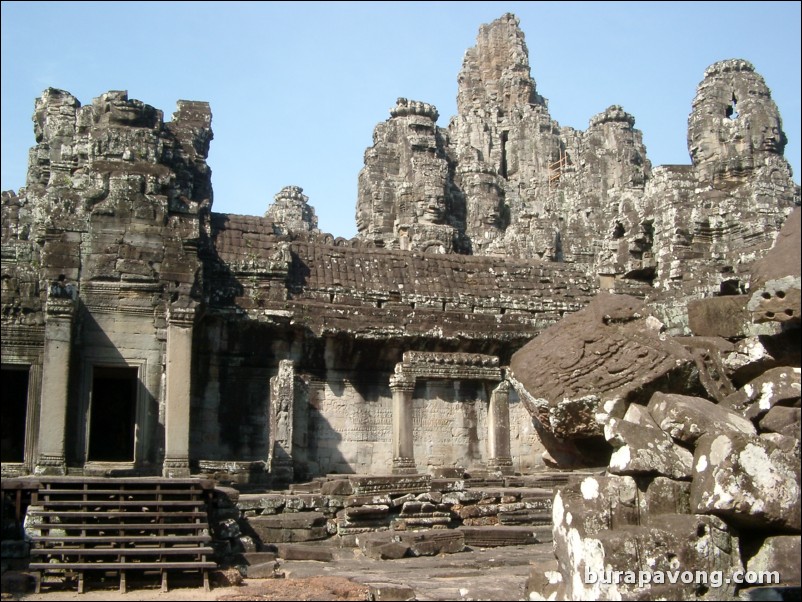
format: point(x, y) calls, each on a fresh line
point(125, 295)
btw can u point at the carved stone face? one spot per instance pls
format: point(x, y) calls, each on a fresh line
point(772, 139)
point(484, 202)
point(431, 209)
point(734, 120)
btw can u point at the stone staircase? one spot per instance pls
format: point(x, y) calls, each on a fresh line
point(119, 527)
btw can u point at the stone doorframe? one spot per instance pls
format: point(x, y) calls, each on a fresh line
point(449, 366)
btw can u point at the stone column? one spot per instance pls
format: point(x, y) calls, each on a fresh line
point(59, 315)
point(177, 398)
point(498, 423)
point(282, 396)
point(403, 444)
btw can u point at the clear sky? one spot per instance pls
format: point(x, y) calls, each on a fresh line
point(296, 88)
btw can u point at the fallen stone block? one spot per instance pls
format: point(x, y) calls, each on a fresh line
point(777, 300)
point(382, 546)
point(782, 420)
point(753, 356)
point(373, 511)
point(778, 386)
point(792, 592)
point(779, 553)
point(290, 527)
point(669, 545)
point(301, 552)
point(290, 520)
point(366, 500)
point(525, 517)
point(337, 487)
point(753, 482)
point(719, 316)
point(611, 349)
point(643, 448)
point(416, 508)
point(224, 496)
point(708, 354)
point(412, 522)
point(478, 510)
point(431, 543)
point(348, 527)
point(687, 418)
point(496, 536)
point(264, 570)
point(663, 496)
point(243, 544)
point(258, 501)
point(390, 485)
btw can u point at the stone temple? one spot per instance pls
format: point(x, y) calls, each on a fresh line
point(145, 334)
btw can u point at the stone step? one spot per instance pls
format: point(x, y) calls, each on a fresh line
point(289, 527)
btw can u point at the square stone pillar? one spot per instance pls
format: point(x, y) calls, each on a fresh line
point(403, 443)
point(59, 316)
point(282, 397)
point(498, 436)
point(179, 387)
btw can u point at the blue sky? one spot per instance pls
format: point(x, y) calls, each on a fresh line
point(296, 88)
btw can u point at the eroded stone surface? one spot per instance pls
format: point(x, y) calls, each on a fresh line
point(778, 386)
point(751, 481)
point(587, 542)
point(781, 554)
point(643, 448)
point(688, 418)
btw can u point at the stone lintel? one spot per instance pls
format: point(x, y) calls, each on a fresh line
point(451, 366)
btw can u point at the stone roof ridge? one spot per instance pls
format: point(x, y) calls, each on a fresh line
point(404, 106)
point(728, 65)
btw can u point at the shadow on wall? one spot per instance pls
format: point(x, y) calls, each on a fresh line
point(323, 454)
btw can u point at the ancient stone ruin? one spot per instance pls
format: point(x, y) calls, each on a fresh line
point(520, 296)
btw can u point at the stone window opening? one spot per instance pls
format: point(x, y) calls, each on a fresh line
point(112, 414)
point(15, 411)
point(732, 109)
point(618, 230)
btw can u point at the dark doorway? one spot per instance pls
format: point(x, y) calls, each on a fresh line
point(113, 414)
point(14, 404)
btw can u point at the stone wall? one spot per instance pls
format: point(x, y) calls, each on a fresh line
point(350, 428)
point(472, 239)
